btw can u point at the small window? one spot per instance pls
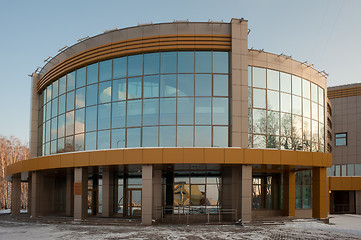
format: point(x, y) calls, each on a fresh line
point(341, 139)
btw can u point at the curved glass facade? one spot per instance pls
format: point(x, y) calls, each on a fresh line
point(168, 99)
point(285, 111)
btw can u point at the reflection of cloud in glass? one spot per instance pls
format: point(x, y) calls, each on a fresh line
point(105, 95)
point(79, 127)
point(121, 95)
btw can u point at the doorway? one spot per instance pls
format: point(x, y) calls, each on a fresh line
point(133, 202)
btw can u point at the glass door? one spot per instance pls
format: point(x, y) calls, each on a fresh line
point(133, 202)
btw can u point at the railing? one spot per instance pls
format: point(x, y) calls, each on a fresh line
point(188, 211)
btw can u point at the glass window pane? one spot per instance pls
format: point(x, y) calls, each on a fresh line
point(47, 131)
point(62, 85)
point(118, 114)
point(185, 85)
point(80, 77)
point(314, 92)
point(273, 127)
point(220, 85)
point(167, 111)
point(185, 136)
point(259, 77)
point(296, 85)
point(70, 101)
point(259, 98)
point(296, 105)
point(314, 110)
point(53, 147)
point(306, 88)
point(285, 79)
point(151, 63)
point(150, 112)
point(220, 136)
point(185, 110)
point(133, 137)
point(55, 88)
point(203, 84)
point(69, 123)
point(273, 142)
point(105, 70)
point(48, 111)
point(273, 100)
point(249, 76)
point(167, 136)
point(306, 108)
point(79, 142)
point(119, 67)
point(168, 62)
point(79, 121)
point(91, 94)
point(134, 88)
point(297, 128)
point(185, 62)
point(70, 81)
point(168, 85)
point(105, 92)
point(259, 141)
point(203, 62)
point(306, 128)
point(151, 86)
point(80, 98)
point(321, 114)
point(286, 123)
point(61, 126)
point(321, 96)
point(150, 137)
point(91, 141)
point(220, 111)
point(203, 136)
point(92, 74)
point(61, 145)
point(54, 128)
point(135, 65)
point(357, 169)
point(203, 111)
point(118, 138)
point(285, 102)
point(220, 62)
point(104, 139)
point(259, 121)
point(103, 117)
point(48, 93)
point(54, 107)
point(119, 89)
point(91, 118)
point(69, 144)
point(62, 104)
point(134, 113)
point(314, 131)
point(273, 79)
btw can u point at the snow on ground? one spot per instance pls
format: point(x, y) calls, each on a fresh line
point(340, 227)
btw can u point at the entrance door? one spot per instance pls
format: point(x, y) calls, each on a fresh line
point(133, 202)
point(92, 202)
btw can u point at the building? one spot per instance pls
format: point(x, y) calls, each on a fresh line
point(345, 174)
point(176, 121)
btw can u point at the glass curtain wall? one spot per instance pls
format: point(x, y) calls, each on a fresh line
point(285, 111)
point(167, 99)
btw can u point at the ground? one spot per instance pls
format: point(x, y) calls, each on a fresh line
point(341, 227)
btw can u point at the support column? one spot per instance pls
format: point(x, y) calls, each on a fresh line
point(157, 193)
point(108, 192)
point(33, 141)
point(289, 194)
point(15, 194)
point(147, 194)
point(29, 193)
point(358, 202)
point(37, 186)
point(246, 193)
point(239, 70)
point(319, 192)
point(69, 193)
point(80, 193)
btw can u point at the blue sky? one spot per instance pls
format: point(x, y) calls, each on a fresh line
point(326, 33)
